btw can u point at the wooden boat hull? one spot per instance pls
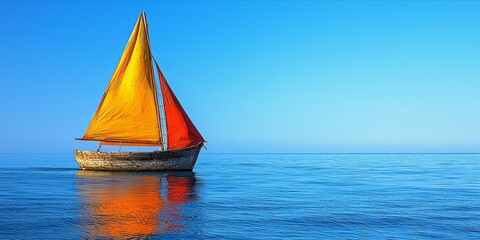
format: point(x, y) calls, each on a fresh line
point(181, 159)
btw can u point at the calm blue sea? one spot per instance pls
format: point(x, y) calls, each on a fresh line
point(246, 196)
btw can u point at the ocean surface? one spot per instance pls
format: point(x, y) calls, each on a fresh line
point(245, 196)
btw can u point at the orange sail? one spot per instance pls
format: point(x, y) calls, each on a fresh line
point(181, 132)
point(128, 112)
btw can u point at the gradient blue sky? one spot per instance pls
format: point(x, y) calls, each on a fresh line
point(254, 76)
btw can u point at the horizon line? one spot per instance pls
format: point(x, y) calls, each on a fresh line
point(325, 153)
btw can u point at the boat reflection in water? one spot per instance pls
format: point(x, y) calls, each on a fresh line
point(133, 205)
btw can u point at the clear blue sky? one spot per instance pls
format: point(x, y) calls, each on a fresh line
point(254, 76)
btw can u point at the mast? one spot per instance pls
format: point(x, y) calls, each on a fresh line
point(161, 108)
point(144, 14)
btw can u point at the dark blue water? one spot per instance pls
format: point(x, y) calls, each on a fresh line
point(246, 196)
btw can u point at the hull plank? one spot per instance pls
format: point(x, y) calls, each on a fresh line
point(181, 159)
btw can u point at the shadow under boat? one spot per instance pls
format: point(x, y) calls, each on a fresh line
point(126, 205)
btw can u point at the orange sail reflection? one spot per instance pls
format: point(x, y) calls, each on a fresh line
point(128, 205)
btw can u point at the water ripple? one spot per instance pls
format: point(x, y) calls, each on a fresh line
point(245, 196)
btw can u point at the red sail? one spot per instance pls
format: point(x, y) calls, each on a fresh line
point(181, 132)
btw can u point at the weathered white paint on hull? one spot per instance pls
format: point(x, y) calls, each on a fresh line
point(181, 159)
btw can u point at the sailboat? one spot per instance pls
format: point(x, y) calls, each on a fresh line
point(131, 113)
